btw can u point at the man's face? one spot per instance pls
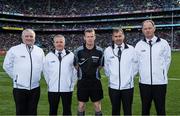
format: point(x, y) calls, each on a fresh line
point(89, 38)
point(148, 30)
point(118, 37)
point(59, 43)
point(28, 38)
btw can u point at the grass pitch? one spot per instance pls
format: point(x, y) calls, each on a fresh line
point(7, 106)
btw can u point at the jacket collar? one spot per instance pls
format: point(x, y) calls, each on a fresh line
point(157, 40)
point(125, 45)
point(65, 52)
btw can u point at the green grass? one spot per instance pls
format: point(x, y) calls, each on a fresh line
point(7, 106)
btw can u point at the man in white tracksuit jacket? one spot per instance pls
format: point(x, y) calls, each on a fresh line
point(24, 63)
point(154, 57)
point(120, 64)
point(60, 76)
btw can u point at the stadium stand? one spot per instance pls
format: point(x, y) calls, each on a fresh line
point(71, 17)
point(77, 7)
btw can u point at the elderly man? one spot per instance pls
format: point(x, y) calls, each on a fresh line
point(60, 76)
point(24, 63)
point(154, 57)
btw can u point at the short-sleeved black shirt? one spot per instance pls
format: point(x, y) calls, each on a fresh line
point(89, 61)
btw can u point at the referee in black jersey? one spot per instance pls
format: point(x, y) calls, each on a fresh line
point(89, 57)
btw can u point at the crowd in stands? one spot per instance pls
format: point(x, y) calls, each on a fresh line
point(82, 26)
point(83, 7)
point(67, 26)
point(74, 40)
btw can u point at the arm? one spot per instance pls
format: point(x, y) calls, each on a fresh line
point(74, 69)
point(75, 62)
point(46, 70)
point(74, 77)
point(106, 64)
point(135, 63)
point(43, 59)
point(101, 62)
point(167, 56)
point(8, 63)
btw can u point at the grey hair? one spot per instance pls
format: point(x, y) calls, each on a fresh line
point(28, 30)
point(59, 36)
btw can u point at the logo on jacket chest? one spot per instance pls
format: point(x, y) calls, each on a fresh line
point(143, 50)
point(53, 61)
point(23, 56)
point(111, 57)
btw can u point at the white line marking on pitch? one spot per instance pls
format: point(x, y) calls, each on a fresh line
point(174, 79)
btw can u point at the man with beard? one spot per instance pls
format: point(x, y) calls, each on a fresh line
point(120, 64)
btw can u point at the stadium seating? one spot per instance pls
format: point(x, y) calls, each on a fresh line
point(94, 9)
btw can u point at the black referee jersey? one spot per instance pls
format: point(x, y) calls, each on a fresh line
point(89, 61)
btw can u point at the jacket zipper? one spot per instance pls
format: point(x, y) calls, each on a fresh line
point(31, 69)
point(119, 58)
point(59, 75)
point(151, 63)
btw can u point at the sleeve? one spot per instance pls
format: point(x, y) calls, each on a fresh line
point(137, 55)
point(135, 63)
point(43, 59)
point(46, 70)
point(74, 78)
point(102, 60)
point(75, 62)
point(167, 56)
point(106, 64)
point(8, 63)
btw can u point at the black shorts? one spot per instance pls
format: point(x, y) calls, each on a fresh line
point(89, 88)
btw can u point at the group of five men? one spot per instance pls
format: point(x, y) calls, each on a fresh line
point(121, 62)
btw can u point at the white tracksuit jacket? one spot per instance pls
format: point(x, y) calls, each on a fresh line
point(60, 76)
point(153, 61)
point(121, 74)
point(23, 66)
